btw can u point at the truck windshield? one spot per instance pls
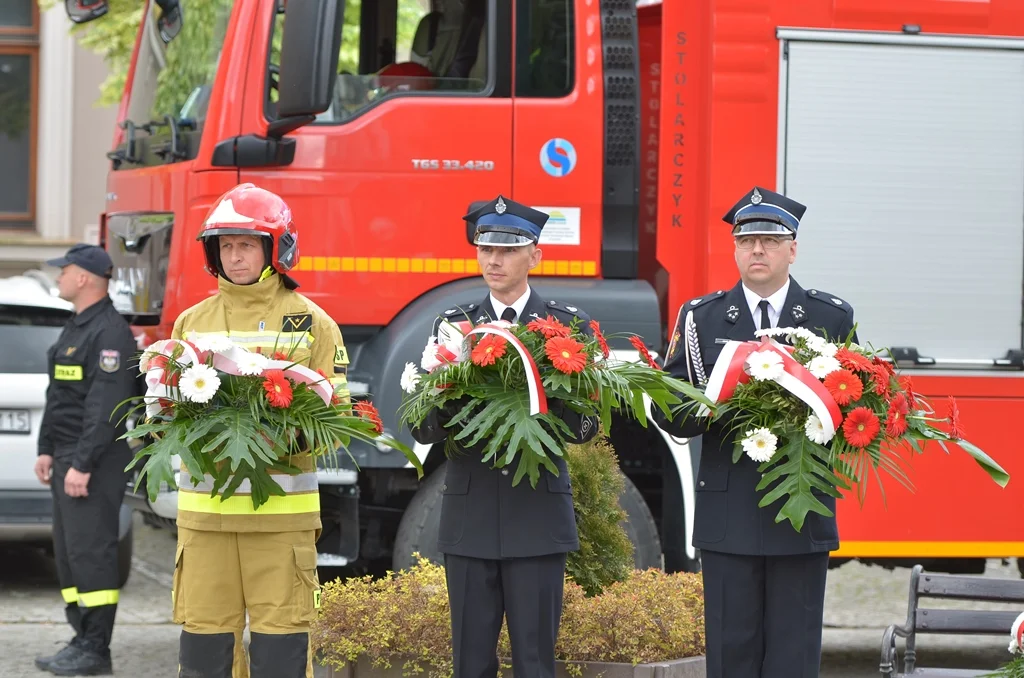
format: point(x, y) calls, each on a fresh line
point(175, 78)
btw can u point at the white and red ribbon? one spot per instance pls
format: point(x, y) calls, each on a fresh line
point(227, 362)
point(730, 372)
point(538, 399)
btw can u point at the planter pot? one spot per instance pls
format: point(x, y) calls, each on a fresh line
point(693, 667)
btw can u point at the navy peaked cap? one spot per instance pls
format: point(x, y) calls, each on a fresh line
point(506, 223)
point(764, 212)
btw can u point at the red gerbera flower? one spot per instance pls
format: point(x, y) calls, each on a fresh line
point(886, 364)
point(861, 427)
point(880, 379)
point(488, 350)
point(278, 388)
point(638, 344)
point(956, 431)
point(279, 355)
point(852, 360)
point(896, 419)
point(845, 387)
point(601, 341)
point(368, 411)
point(566, 354)
point(908, 389)
point(550, 327)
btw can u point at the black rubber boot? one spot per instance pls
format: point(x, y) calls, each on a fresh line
point(81, 662)
point(43, 663)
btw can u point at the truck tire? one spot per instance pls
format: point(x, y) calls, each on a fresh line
point(417, 531)
point(640, 527)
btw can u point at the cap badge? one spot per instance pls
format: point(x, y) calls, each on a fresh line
point(755, 199)
point(500, 207)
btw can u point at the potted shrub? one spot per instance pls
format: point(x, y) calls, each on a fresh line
point(616, 621)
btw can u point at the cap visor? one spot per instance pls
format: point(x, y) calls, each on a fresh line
point(60, 262)
point(761, 228)
point(500, 239)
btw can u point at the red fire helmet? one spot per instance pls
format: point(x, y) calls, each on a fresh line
point(248, 209)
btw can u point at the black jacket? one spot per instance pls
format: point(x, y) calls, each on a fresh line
point(93, 367)
point(482, 514)
point(726, 516)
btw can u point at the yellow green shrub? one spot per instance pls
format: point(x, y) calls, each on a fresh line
point(403, 620)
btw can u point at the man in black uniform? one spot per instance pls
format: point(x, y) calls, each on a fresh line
point(505, 547)
point(764, 582)
point(81, 458)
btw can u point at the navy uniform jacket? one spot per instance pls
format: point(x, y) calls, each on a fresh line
point(92, 369)
point(482, 514)
point(727, 518)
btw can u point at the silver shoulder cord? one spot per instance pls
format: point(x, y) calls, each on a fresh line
point(694, 362)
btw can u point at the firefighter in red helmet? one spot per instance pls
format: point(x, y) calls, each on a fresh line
point(232, 559)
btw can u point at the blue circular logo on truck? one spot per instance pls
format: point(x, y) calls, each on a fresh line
point(558, 157)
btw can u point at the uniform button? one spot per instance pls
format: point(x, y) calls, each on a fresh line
point(701, 483)
point(504, 471)
point(444, 488)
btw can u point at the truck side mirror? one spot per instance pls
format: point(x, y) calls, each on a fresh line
point(83, 11)
point(171, 19)
point(309, 62)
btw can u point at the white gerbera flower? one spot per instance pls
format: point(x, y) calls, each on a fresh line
point(410, 378)
point(199, 383)
point(815, 430)
point(218, 343)
point(827, 349)
point(252, 364)
point(760, 444)
point(765, 365)
point(822, 366)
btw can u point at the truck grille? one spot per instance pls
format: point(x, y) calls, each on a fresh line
point(140, 247)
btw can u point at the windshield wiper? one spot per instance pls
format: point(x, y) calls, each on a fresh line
point(126, 154)
point(171, 148)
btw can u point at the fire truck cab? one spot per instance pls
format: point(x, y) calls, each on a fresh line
point(635, 125)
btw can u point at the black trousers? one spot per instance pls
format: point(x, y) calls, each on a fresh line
point(527, 592)
point(763, 614)
point(85, 548)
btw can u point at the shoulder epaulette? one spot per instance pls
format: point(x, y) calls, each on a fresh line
point(458, 310)
point(568, 309)
point(705, 300)
point(827, 298)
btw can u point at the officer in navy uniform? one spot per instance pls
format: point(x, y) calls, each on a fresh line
point(764, 582)
point(505, 547)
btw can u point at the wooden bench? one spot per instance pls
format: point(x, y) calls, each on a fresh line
point(959, 622)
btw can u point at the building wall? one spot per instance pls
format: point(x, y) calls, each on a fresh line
point(72, 140)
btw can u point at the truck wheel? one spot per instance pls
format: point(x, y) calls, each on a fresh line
point(640, 527)
point(417, 531)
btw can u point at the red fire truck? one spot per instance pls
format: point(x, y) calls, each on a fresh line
point(900, 123)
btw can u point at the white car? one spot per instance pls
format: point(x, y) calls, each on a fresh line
point(31, 320)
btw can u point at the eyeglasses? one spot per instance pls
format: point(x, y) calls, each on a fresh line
point(768, 242)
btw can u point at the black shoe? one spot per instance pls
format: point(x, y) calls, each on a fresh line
point(81, 662)
point(43, 663)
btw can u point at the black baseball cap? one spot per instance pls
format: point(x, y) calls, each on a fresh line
point(90, 257)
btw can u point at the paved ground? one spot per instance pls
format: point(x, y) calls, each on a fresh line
point(861, 601)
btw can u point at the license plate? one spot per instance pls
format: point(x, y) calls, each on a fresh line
point(14, 421)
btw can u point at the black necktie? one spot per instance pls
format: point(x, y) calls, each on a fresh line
point(766, 322)
point(509, 314)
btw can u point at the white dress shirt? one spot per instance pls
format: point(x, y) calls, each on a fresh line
point(775, 303)
point(518, 305)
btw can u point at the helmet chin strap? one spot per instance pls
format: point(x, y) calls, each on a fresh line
point(267, 272)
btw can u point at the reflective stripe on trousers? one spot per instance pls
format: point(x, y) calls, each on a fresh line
point(302, 496)
point(90, 598)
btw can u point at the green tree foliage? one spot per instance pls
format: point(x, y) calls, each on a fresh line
point(191, 58)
